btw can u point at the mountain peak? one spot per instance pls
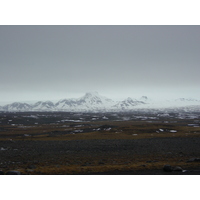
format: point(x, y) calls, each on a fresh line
point(91, 98)
point(144, 98)
point(90, 94)
point(129, 99)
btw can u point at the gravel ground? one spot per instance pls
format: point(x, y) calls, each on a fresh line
point(139, 146)
point(18, 153)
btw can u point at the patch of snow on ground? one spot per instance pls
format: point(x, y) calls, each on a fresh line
point(78, 131)
point(98, 129)
point(71, 120)
point(94, 118)
point(79, 125)
point(172, 131)
point(192, 124)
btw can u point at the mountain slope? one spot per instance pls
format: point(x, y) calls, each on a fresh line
point(127, 104)
point(93, 102)
point(89, 102)
point(17, 106)
point(47, 105)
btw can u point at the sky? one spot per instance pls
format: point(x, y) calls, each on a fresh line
point(57, 62)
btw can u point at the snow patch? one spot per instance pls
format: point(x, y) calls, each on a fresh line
point(172, 131)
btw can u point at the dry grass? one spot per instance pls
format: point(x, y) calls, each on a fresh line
point(121, 130)
point(131, 167)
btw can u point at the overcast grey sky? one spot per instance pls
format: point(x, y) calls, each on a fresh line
point(55, 62)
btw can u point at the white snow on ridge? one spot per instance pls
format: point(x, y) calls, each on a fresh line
point(93, 102)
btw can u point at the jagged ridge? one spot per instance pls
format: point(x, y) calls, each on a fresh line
point(89, 102)
point(93, 102)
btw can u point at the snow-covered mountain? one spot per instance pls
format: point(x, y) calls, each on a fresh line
point(180, 103)
point(17, 106)
point(187, 100)
point(44, 106)
point(93, 102)
point(127, 104)
point(89, 102)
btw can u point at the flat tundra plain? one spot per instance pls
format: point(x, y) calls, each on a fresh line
point(61, 143)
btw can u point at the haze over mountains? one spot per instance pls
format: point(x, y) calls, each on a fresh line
point(93, 102)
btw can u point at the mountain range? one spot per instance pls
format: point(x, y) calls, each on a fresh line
point(93, 102)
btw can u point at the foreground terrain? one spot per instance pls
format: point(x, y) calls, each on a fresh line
point(100, 143)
